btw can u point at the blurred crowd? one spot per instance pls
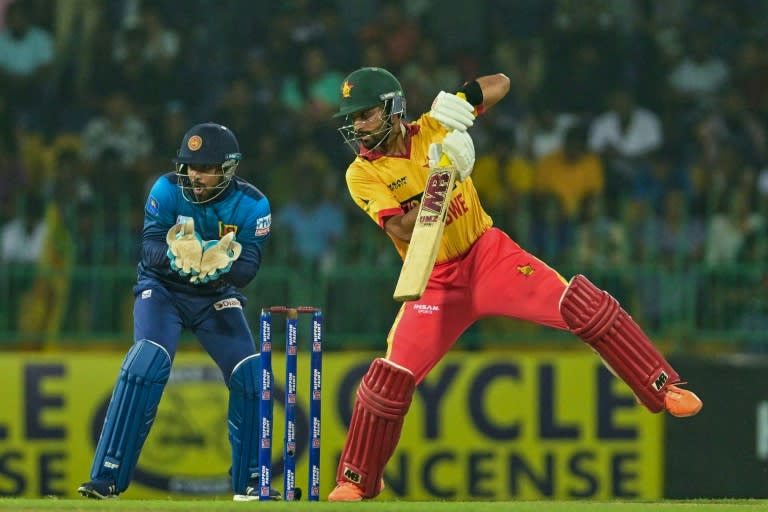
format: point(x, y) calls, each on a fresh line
point(635, 132)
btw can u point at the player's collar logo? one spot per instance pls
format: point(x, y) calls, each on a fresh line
point(346, 89)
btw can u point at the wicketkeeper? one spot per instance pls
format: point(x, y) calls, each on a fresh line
point(204, 229)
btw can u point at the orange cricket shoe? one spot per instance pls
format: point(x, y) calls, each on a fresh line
point(347, 491)
point(681, 402)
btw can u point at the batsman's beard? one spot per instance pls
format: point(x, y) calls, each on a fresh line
point(373, 140)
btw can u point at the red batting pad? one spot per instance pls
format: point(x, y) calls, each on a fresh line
point(597, 318)
point(383, 399)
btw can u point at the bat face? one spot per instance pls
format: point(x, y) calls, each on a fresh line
point(435, 196)
point(426, 236)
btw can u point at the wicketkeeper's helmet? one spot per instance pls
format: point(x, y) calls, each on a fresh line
point(207, 144)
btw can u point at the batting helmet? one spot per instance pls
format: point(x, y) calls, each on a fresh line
point(368, 87)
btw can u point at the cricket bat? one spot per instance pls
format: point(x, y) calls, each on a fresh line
point(427, 232)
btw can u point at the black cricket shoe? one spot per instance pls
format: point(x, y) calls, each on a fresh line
point(252, 493)
point(98, 489)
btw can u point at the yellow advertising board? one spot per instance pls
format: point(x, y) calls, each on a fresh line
point(483, 426)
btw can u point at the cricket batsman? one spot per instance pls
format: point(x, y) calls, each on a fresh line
point(204, 229)
point(480, 271)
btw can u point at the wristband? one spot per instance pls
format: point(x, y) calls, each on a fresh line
point(473, 93)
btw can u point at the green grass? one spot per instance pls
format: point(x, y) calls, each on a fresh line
point(383, 506)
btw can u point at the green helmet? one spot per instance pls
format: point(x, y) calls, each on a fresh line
point(368, 87)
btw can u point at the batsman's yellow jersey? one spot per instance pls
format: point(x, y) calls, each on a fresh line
point(385, 185)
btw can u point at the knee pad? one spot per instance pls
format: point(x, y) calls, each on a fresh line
point(131, 411)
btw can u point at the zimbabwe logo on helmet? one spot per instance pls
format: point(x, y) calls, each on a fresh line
point(346, 89)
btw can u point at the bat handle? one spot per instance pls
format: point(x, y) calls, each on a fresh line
point(444, 160)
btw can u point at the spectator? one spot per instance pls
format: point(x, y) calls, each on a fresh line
point(504, 180)
point(313, 217)
point(600, 241)
point(26, 58)
point(22, 238)
point(75, 27)
point(572, 173)
point(750, 76)
point(730, 228)
point(313, 89)
point(543, 131)
point(551, 234)
point(399, 34)
point(423, 76)
point(161, 43)
point(734, 123)
point(699, 74)
point(680, 236)
point(13, 175)
point(625, 136)
point(118, 129)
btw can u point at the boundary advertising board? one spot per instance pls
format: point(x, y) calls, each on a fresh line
point(484, 426)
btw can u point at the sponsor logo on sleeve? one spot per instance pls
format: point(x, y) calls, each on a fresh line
point(153, 206)
point(262, 225)
point(146, 294)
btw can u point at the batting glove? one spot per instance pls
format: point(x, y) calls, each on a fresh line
point(460, 150)
point(185, 248)
point(218, 256)
point(452, 111)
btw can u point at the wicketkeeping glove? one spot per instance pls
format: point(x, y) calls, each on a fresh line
point(185, 248)
point(218, 256)
point(452, 111)
point(460, 150)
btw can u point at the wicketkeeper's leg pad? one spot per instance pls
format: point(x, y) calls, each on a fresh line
point(597, 318)
point(383, 399)
point(131, 411)
point(243, 421)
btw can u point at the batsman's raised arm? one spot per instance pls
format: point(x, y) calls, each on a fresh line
point(457, 111)
point(494, 88)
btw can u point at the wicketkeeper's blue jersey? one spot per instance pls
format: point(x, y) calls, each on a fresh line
point(241, 208)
